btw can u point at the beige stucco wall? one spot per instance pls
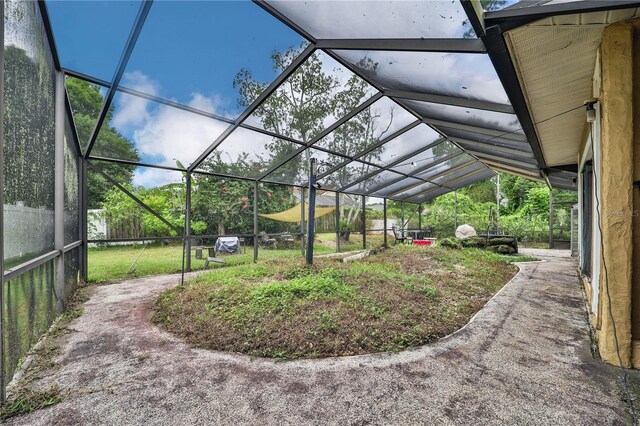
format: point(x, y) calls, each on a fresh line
point(616, 175)
point(635, 273)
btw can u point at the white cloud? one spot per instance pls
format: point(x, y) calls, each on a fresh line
point(149, 177)
point(174, 134)
point(132, 110)
point(163, 132)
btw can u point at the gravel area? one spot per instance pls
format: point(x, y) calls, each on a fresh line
point(523, 359)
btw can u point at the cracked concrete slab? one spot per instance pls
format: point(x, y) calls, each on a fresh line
point(524, 359)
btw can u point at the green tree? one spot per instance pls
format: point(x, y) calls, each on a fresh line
point(301, 109)
point(514, 189)
point(225, 205)
point(86, 103)
point(167, 200)
point(481, 192)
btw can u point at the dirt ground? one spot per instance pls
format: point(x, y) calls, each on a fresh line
point(523, 359)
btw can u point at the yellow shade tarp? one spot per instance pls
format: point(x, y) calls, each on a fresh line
point(293, 214)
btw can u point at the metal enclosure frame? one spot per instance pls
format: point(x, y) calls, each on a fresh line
point(489, 27)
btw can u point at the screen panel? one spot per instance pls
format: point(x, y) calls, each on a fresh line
point(459, 75)
point(417, 189)
point(221, 206)
point(351, 225)
point(71, 271)
point(296, 170)
point(452, 176)
point(218, 53)
point(469, 116)
point(30, 308)
point(138, 129)
point(103, 25)
point(29, 138)
point(390, 189)
point(249, 154)
point(86, 101)
point(379, 179)
point(347, 174)
point(367, 128)
point(427, 158)
point(301, 110)
point(393, 19)
point(114, 214)
point(404, 144)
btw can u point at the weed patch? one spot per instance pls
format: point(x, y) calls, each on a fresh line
point(30, 401)
point(395, 299)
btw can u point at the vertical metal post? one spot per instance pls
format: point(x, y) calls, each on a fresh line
point(255, 221)
point(311, 220)
point(364, 223)
point(498, 204)
point(550, 219)
point(187, 223)
point(337, 222)
point(302, 226)
point(384, 220)
point(419, 216)
point(402, 218)
point(58, 206)
point(84, 220)
point(455, 211)
point(2, 360)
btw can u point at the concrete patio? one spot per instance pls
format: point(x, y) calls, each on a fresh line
point(524, 359)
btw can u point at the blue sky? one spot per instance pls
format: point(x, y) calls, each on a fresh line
point(189, 52)
point(185, 47)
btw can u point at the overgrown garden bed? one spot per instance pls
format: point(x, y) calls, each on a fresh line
point(400, 298)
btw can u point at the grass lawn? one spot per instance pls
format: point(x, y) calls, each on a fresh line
point(402, 297)
point(107, 264)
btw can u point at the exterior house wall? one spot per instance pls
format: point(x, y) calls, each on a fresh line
point(635, 273)
point(614, 289)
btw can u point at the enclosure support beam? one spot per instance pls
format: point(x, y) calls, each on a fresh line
point(84, 222)
point(337, 222)
point(455, 210)
point(364, 224)
point(302, 227)
point(313, 168)
point(402, 218)
point(550, 219)
point(458, 45)
point(255, 221)
point(122, 65)
point(450, 100)
point(58, 206)
point(420, 216)
point(384, 220)
point(187, 224)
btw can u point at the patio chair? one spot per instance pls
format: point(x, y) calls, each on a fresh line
point(426, 232)
point(287, 241)
point(400, 237)
point(266, 242)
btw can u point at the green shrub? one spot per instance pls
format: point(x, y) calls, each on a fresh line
point(502, 249)
point(451, 242)
point(502, 241)
point(477, 242)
